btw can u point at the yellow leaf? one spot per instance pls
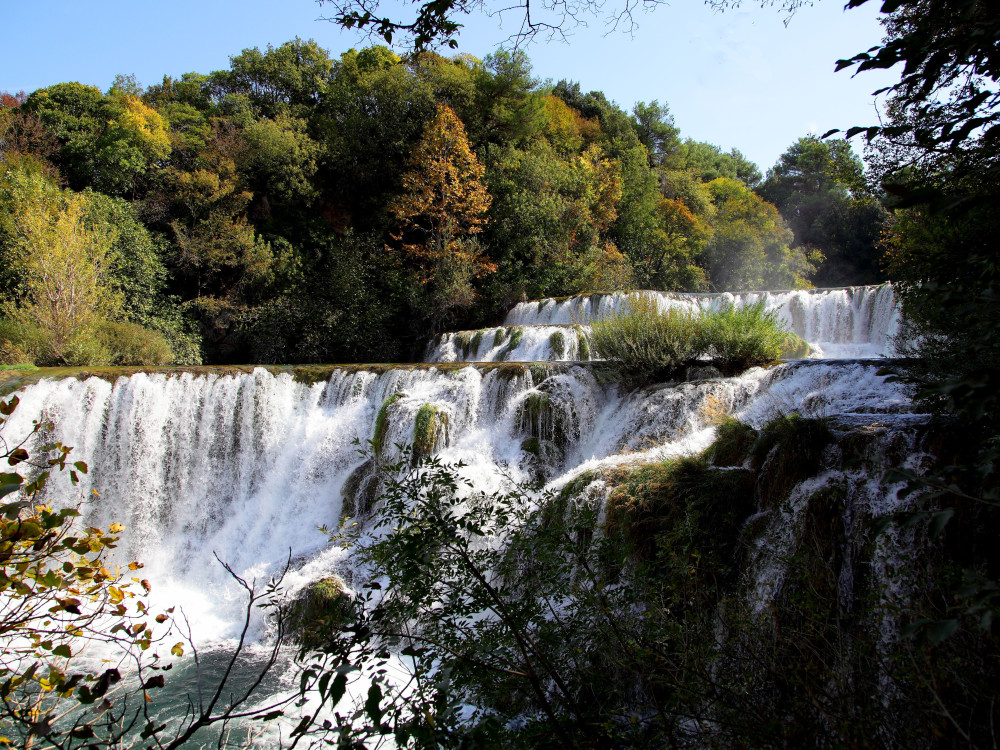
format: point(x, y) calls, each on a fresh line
point(115, 528)
point(177, 649)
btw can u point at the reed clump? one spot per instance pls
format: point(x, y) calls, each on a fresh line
point(651, 344)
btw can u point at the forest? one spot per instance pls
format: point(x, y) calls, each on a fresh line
point(295, 208)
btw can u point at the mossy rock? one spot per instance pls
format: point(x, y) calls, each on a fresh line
point(542, 418)
point(516, 333)
point(316, 613)
point(476, 340)
point(733, 442)
point(430, 430)
point(539, 372)
point(795, 347)
point(382, 423)
point(557, 344)
point(360, 490)
point(685, 517)
point(788, 451)
point(463, 342)
point(582, 345)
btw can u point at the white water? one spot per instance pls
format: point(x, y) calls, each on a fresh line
point(248, 467)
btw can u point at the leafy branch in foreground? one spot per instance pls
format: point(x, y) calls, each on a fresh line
point(435, 22)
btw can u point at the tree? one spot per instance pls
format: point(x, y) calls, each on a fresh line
point(108, 142)
point(749, 248)
point(819, 187)
point(442, 208)
point(435, 22)
point(62, 264)
point(656, 130)
point(290, 79)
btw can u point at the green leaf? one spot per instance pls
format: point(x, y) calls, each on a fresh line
point(371, 705)
point(941, 629)
point(338, 689)
point(62, 650)
point(6, 489)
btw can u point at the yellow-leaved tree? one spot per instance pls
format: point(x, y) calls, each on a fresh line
point(63, 263)
point(442, 209)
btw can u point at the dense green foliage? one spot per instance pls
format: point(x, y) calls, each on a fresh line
point(632, 608)
point(649, 343)
point(284, 209)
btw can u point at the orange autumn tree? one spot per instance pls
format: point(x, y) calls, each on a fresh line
point(442, 209)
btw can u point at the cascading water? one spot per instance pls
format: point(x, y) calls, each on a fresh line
point(249, 466)
point(854, 322)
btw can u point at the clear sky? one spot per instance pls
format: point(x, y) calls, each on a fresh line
point(740, 79)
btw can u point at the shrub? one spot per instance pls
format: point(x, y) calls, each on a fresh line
point(21, 343)
point(737, 338)
point(132, 344)
point(647, 342)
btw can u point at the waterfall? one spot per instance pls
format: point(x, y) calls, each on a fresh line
point(848, 323)
point(248, 466)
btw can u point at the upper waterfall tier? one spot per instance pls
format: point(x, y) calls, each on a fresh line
point(539, 343)
point(847, 323)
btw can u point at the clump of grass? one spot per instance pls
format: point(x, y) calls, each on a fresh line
point(651, 344)
point(733, 442)
point(647, 342)
point(737, 338)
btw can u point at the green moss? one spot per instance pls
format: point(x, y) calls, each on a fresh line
point(794, 347)
point(430, 424)
point(24, 366)
point(516, 334)
point(575, 486)
point(531, 446)
point(557, 342)
point(499, 336)
point(733, 443)
point(788, 451)
point(582, 345)
point(684, 516)
point(382, 423)
point(539, 372)
point(476, 340)
point(463, 341)
point(313, 617)
point(535, 406)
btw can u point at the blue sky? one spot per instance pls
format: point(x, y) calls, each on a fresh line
point(743, 78)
